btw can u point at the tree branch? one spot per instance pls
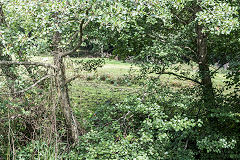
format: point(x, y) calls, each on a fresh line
point(11, 118)
point(79, 43)
point(85, 25)
point(215, 71)
point(190, 49)
point(46, 65)
point(73, 37)
point(26, 89)
point(73, 78)
point(181, 76)
point(180, 19)
point(82, 27)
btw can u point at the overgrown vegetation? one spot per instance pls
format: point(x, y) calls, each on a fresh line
point(165, 83)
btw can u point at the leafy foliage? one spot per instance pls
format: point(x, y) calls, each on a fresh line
point(160, 122)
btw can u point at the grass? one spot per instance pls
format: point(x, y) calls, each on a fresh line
point(115, 69)
point(86, 96)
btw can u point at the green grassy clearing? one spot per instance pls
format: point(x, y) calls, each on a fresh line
point(115, 69)
point(105, 85)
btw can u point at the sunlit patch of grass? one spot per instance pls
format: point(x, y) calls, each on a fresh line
point(86, 96)
point(115, 69)
point(219, 80)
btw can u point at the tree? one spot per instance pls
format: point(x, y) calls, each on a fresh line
point(203, 32)
point(58, 27)
point(181, 31)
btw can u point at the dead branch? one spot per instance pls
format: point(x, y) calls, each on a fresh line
point(13, 117)
point(46, 65)
point(26, 89)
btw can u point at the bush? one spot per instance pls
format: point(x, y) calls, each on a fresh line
point(140, 128)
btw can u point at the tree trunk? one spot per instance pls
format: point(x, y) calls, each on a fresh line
point(65, 105)
point(62, 89)
point(204, 71)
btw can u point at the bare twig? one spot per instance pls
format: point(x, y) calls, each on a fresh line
point(186, 145)
point(28, 63)
point(124, 116)
point(13, 117)
point(180, 19)
point(181, 76)
point(26, 89)
point(85, 25)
